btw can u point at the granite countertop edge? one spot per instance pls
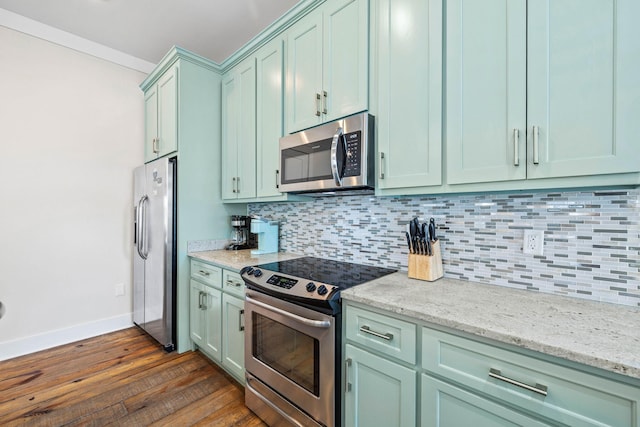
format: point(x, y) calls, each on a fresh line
point(592, 333)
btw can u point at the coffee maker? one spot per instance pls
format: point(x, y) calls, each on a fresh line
point(241, 238)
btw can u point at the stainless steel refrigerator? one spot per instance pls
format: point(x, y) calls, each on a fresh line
point(154, 254)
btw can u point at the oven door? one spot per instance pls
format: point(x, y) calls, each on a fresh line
point(291, 349)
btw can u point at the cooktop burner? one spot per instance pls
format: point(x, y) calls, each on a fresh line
point(310, 281)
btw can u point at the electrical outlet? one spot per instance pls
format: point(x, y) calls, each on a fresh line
point(119, 289)
point(533, 242)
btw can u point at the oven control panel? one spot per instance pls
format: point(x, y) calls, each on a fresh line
point(288, 285)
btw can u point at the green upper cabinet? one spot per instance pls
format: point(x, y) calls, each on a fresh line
point(541, 89)
point(486, 90)
point(269, 116)
point(239, 132)
point(582, 88)
point(327, 64)
point(406, 92)
point(161, 116)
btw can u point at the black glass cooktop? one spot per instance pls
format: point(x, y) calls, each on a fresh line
point(337, 273)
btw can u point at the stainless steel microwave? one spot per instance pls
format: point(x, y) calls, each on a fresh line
point(333, 158)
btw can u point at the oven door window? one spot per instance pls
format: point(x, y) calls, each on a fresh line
point(288, 351)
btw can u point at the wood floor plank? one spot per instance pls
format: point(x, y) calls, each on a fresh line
point(123, 378)
point(59, 411)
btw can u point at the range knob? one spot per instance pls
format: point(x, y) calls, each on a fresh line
point(322, 290)
point(249, 271)
point(311, 287)
point(257, 272)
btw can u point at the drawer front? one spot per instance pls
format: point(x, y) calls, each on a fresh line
point(206, 273)
point(393, 337)
point(572, 397)
point(233, 283)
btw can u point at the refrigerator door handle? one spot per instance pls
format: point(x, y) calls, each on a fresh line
point(142, 228)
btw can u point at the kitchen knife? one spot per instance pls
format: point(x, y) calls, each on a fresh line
point(409, 242)
point(432, 229)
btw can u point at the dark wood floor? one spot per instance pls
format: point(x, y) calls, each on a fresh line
point(122, 378)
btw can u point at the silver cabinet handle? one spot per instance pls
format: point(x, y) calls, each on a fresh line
point(156, 145)
point(201, 296)
point(234, 283)
point(538, 388)
point(204, 273)
point(325, 95)
point(381, 165)
point(536, 147)
point(241, 320)
point(324, 324)
point(238, 184)
point(277, 178)
point(318, 104)
point(347, 384)
point(388, 336)
point(516, 147)
point(233, 184)
point(337, 175)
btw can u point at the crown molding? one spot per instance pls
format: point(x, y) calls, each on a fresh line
point(269, 33)
point(48, 33)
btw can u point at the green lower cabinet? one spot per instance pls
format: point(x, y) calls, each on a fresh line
point(445, 405)
point(217, 316)
point(378, 392)
point(233, 339)
point(206, 319)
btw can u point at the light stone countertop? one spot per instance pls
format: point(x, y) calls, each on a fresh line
point(236, 260)
point(601, 335)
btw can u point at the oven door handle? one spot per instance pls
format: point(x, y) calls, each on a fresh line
point(324, 324)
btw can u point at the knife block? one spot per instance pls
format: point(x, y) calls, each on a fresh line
point(426, 267)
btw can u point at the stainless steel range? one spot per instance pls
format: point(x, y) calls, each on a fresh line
point(292, 339)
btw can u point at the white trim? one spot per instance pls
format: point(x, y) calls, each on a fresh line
point(22, 346)
point(37, 29)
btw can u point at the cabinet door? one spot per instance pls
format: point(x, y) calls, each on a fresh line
point(233, 331)
point(269, 117)
point(345, 58)
point(379, 392)
point(408, 84)
point(486, 90)
point(213, 329)
point(150, 123)
point(239, 132)
point(197, 315)
point(583, 67)
point(445, 405)
point(304, 73)
point(230, 102)
point(168, 112)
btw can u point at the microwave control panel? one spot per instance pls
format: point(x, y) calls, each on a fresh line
point(353, 165)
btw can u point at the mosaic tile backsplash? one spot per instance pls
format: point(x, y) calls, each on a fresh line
point(591, 238)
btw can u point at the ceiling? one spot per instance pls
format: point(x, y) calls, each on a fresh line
point(147, 29)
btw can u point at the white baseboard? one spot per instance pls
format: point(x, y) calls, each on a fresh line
point(22, 346)
point(37, 29)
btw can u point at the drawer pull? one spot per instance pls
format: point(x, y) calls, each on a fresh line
point(204, 273)
point(234, 283)
point(388, 336)
point(538, 388)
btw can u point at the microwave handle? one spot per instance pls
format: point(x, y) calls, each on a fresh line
point(337, 175)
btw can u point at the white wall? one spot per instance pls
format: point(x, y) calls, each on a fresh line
point(71, 132)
